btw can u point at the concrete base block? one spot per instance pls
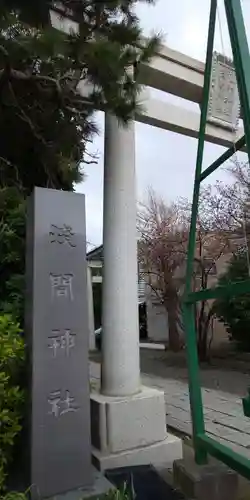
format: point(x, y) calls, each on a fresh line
point(101, 486)
point(160, 454)
point(205, 482)
point(119, 424)
point(131, 430)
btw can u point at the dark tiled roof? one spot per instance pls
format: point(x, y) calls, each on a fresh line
point(96, 253)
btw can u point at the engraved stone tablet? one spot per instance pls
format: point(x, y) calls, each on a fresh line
point(224, 104)
point(57, 332)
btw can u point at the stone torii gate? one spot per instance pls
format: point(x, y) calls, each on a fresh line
point(128, 420)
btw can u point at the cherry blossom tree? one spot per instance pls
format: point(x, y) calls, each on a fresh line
point(163, 238)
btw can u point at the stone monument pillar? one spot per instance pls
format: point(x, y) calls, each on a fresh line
point(58, 336)
point(128, 420)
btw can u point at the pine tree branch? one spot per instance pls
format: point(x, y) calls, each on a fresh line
point(38, 78)
point(6, 59)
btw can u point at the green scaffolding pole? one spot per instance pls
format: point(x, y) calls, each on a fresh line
point(203, 444)
point(188, 308)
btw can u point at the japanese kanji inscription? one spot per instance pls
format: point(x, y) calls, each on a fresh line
point(60, 404)
point(57, 327)
point(63, 234)
point(61, 286)
point(61, 340)
point(224, 104)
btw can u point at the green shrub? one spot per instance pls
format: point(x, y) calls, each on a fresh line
point(14, 495)
point(120, 494)
point(234, 311)
point(12, 251)
point(11, 395)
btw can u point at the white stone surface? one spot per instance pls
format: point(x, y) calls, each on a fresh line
point(63, 23)
point(120, 340)
point(168, 116)
point(138, 421)
point(160, 454)
point(224, 103)
point(152, 346)
point(128, 423)
point(92, 345)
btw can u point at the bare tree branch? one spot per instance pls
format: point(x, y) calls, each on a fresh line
point(162, 249)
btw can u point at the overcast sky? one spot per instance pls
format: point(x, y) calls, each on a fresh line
point(164, 160)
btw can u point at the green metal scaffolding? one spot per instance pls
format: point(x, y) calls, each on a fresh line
point(204, 444)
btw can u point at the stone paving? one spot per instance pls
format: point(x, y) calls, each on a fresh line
point(223, 412)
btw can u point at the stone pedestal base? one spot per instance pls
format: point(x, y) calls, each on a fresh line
point(99, 489)
point(131, 431)
point(205, 482)
point(160, 454)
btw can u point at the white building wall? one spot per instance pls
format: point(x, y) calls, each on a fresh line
point(157, 319)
